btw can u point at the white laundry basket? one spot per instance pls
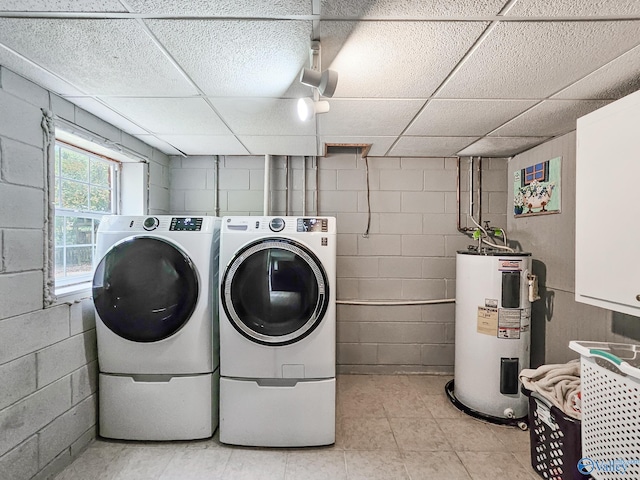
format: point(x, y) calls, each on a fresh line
point(610, 409)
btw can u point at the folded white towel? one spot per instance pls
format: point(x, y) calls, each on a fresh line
point(558, 383)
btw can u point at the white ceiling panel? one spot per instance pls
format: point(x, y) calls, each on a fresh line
point(536, 59)
point(61, 6)
point(190, 116)
point(394, 59)
point(410, 9)
point(367, 117)
point(161, 145)
point(430, 146)
point(501, 146)
point(379, 145)
point(99, 56)
point(262, 116)
point(549, 118)
point(102, 111)
point(206, 144)
point(581, 8)
point(465, 117)
point(229, 8)
point(280, 144)
point(614, 80)
point(238, 58)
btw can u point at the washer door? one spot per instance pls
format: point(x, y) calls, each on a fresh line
point(145, 289)
point(275, 291)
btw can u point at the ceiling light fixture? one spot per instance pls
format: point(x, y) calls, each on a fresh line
point(326, 82)
point(307, 108)
point(323, 83)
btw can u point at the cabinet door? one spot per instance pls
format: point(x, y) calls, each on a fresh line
point(607, 206)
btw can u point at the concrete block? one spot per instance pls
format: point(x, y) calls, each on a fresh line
point(327, 180)
point(425, 289)
point(347, 223)
point(439, 224)
point(400, 267)
point(376, 313)
point(347, 288)
point(430, 163)
point(338, 202)
point(438, 267)
point(494, 180)
point(54, 467)
point(441, 312)
point(402, 180)
point(23, 250)
point(338, 161)
point(26, 417)
point(64, 357)
point(401, 223)
point(377, 245)
point(21, 207)
point(440, 181)
point(441, 355)
point(198, 200)
point(188, 179)
point(177, 201)
point(380, 201)
point(381, 163)
point(248, 162)
point(401, 332)
point(81, 444)
point(453, 243)
point(22, 164)
point(22, 462)
point(62, 107)
point(82, 317)
point(359, 267)
point(357, 354)
point(27, 333)
point(158, 199)
point(158, 174)
point(347, 332)
point(137, 146)
point(497, 202)
point(160, 157)
point(66, 429)
point(390, 354)
point(423, 245)
point(18, 379)
point(380, 289)
point(22, 88)
point(423, 202)
point(243, 201)
point(97, 125)
point(350, 180)
point(84, 382)
point(234, 179)
point(20, 293)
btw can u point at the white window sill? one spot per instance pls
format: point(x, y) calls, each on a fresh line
point(72, 293)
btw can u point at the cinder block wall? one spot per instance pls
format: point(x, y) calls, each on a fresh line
point(48, 357)
point(409, 253)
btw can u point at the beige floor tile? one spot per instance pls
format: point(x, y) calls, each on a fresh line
point(513, 438)
point(495, 466)
point(144, 463)
point(359, 403)
point(252, 464)
point(375, 466)
point(365, 434)
point(316, 465)
point(468, 434)
point(429, 384)
point(441, 407)
point(407, 405)
point(197, 464)
point(419, 434)
point(435, 466)
point(99, 461)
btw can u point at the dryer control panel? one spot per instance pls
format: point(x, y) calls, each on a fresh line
point(180, 224)
point(312, 225)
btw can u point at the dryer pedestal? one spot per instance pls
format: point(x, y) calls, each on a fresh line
point(277, 412)
point(158, 407)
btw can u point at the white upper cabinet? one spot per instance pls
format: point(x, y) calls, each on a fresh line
point(608, 207)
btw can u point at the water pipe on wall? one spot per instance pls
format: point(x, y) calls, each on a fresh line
point(267, 185)
point(304, 186)
point(216, 185)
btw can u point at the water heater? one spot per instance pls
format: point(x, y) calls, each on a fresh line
point(492, 325)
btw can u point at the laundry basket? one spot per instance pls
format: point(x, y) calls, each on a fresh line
point(610, 409)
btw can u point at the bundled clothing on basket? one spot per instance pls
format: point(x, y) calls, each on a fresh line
point(558, 383)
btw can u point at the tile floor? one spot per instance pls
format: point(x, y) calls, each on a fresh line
point(388, 427)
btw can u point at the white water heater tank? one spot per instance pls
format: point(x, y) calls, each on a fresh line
point(493, 337)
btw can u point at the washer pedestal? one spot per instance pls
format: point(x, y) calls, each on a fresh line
point(277, 412)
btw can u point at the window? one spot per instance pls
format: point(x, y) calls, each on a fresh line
point(85, 191)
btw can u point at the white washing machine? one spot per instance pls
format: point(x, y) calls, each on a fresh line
point(155, 295)
point(277, 331)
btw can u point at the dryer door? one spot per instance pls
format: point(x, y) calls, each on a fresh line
point(145, 289)
point(275, 291)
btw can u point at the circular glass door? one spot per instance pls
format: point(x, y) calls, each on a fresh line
point(145, 289)
point(275, 291)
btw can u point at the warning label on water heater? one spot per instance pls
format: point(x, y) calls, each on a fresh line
point(487, 321)
point(509, 323)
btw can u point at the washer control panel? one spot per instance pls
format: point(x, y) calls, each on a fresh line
point(312, 225)
point(186, 224)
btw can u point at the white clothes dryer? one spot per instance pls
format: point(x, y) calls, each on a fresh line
point(155, 295)
point(277, 331)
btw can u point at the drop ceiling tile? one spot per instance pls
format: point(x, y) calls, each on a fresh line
point(465, 117)
point(367, 117)
point(429, 146)
point(161, 145)
point(170, 115)
point(257, 58)
point(206, 144)
point(228, 8)
point(97, 56)
point(396, 9)
point(614, 80)
point(105, 113)
point(262, 116)
point(280, 144)
point(501, 146)
point(379, 145)
point(536, 59)
point(549, 118)
point(564, 8)
point(61, 6)
point(394, 59)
